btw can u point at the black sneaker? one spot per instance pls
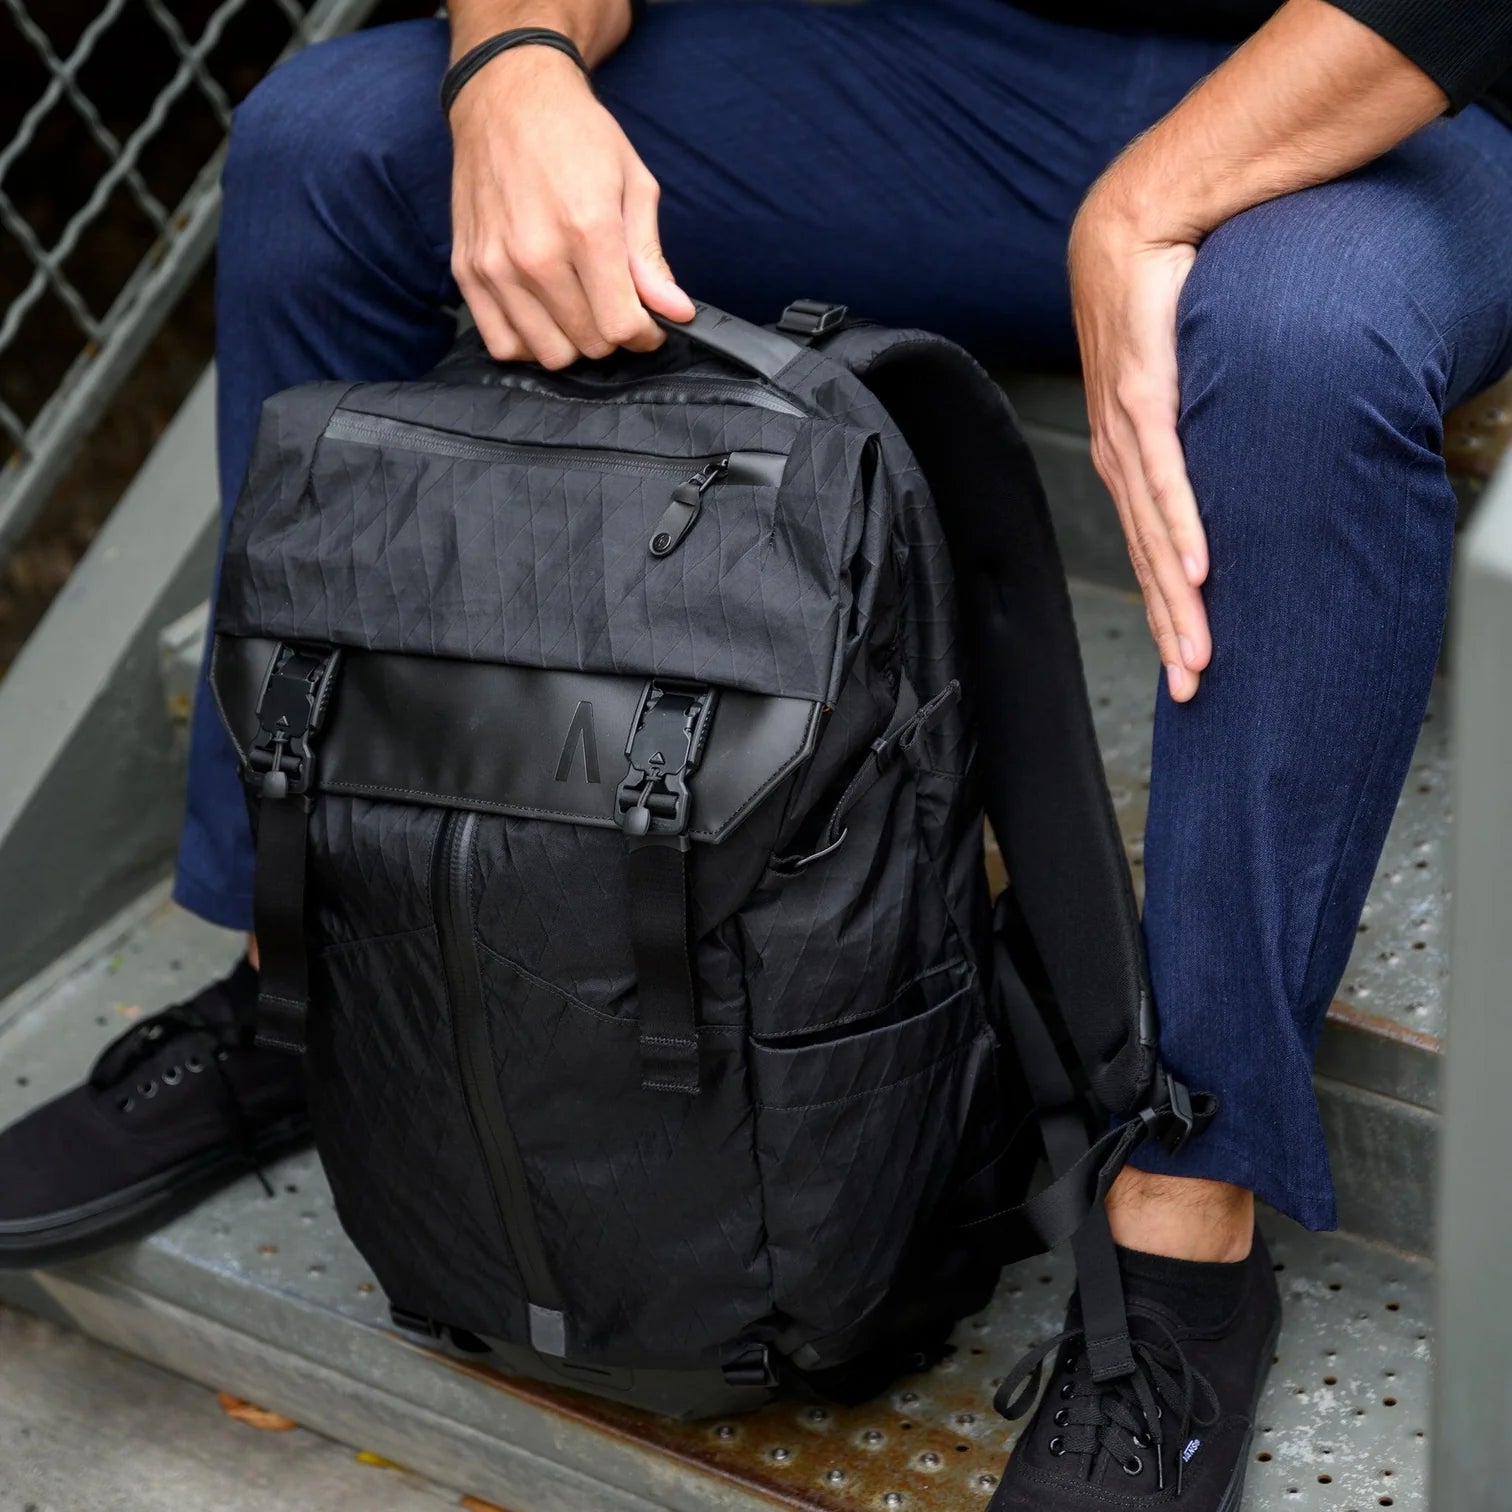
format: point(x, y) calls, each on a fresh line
point(1177, 1432)
point(174, 1108)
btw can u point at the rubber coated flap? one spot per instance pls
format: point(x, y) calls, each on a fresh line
point(525, 741)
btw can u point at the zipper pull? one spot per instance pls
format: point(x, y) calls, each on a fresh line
point(683, 510)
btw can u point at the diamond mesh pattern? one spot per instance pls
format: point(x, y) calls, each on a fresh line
point(546, 563)
point(134, 137)
point(842, 1032)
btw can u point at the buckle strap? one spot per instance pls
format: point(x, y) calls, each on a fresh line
point(653, 805)
point(280, 769)
point(1175, 1113)
point(808, 318)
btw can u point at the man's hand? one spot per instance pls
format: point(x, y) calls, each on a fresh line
point(1312, 95)
point(554, 217)
point(1124, 290)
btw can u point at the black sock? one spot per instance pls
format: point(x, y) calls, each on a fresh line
point(1202, 1293)
point(241, 985)
point(239, 991)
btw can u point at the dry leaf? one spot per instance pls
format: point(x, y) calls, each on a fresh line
point(472, 1504)
point(367, 1457)
point(253, 1417)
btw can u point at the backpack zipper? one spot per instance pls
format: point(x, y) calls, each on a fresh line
point(687, 500)
point(736, 390)
point(451, 900)
point(379, 430)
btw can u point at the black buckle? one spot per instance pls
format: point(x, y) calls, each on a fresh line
point(752, 1367)
point(811, 317)
point(291, 707)
point(666, 741)
point(415, 1323)
point(1170, 1116)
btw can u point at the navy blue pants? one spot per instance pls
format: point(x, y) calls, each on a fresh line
point(922, 162)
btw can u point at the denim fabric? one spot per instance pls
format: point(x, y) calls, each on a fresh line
point(923, 163)
point(1322, 336)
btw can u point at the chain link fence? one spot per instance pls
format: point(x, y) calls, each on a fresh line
point(114, 119)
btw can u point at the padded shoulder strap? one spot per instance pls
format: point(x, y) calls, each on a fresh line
point(1043, 781)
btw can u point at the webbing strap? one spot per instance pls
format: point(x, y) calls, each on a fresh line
point(1052, 1215)
point(1083, 1168)
point(659, 935)
point(1063, 1126)
point(280, 768)
point(278, 906)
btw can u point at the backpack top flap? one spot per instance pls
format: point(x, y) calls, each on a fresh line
point(1043, 782)
point(497, 523)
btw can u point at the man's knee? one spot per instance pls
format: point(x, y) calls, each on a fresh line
point(1296, 327)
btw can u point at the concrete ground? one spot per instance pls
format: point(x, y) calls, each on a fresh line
point(84, 1428)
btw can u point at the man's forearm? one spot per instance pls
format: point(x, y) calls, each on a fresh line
point(597, 26)
point(1312, 95)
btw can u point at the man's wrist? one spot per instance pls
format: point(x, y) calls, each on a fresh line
point(1149, 197)
point(596, 27)
point(535, 41)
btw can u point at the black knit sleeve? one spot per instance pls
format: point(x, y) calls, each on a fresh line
point(1462, 45)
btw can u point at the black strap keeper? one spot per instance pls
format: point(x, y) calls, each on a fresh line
point(485, 52)
point(808, 318)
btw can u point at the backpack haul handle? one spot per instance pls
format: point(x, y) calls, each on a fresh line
point(766, 353)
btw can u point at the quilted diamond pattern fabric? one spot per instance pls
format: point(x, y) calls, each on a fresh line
point(543, 562)
point(475, 1057)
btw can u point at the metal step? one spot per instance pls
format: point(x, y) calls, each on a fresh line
point(264, 1297)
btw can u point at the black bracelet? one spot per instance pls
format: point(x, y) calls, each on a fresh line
point(485, 52)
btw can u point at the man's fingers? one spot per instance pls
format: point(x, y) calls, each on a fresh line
point(1166, 480)
point(603, 266)
point(545, 269)
point(1173, 607)
point(654, 283)
point(546, 341)
point(1154, 503)
point(1187, 647)
point(499, 337)
point(1149, 532)
point(1182, 603)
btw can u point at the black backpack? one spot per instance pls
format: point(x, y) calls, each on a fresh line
point(618, 742)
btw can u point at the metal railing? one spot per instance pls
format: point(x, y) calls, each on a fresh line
point(106, 329)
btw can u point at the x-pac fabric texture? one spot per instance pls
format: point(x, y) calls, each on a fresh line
point(923, 163)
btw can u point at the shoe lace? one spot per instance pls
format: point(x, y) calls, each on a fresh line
point(121, 1057)
point(1134, 1409)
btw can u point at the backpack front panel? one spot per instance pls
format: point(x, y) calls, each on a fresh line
point(384, 1086)
point(474, 1057)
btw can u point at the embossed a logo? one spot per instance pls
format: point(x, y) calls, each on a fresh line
point(580, 733)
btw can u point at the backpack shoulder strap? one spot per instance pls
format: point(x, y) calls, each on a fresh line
point(1042, 774)
point(1069, 972)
